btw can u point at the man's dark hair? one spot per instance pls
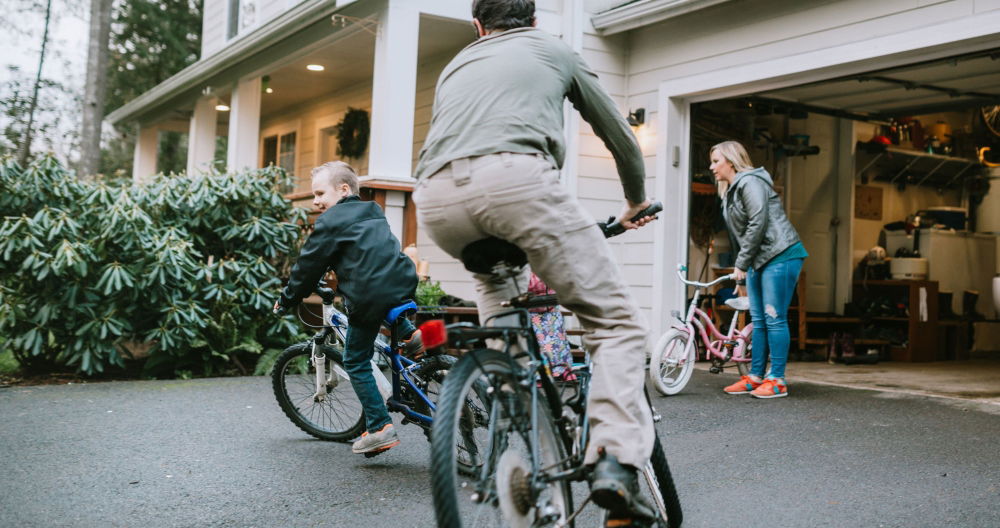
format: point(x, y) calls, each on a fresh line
point(504, 14)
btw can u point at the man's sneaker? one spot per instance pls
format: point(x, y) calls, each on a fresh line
point(771, 388)
point(371, 444)
point(413, 347)
point(615, 488)
point(743, 386)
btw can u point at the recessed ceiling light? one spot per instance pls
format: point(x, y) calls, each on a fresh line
point(315, 67)
point(221, 108)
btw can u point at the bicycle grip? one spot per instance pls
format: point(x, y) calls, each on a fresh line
point(613, 228)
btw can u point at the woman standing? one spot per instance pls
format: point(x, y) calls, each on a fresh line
point(768, 263)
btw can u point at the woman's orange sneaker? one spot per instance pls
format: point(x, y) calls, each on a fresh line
point(771, 388)
point(743, 386)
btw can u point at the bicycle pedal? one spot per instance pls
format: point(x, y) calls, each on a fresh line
point(715, 370)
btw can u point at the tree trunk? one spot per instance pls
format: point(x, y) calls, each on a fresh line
point(96, 87)
point(25, 150)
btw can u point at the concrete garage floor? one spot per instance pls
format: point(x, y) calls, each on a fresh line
point(976, 379)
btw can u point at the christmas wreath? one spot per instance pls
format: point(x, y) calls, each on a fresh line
point(352, 133)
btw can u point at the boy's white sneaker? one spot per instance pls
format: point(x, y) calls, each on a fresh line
point(371, 444)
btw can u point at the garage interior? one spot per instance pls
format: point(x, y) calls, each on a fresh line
point(920, 148)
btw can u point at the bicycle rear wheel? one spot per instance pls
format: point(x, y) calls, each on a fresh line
point(339, 416)
point(671, 363)
point(657, 485)
point(482, 450)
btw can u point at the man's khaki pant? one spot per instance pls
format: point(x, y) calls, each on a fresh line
point(519, 198)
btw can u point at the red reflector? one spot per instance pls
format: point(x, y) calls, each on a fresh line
point(433, 333)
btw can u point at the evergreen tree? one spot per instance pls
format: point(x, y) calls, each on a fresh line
point(151, 40)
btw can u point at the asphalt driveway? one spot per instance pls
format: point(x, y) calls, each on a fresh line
point(218, 452)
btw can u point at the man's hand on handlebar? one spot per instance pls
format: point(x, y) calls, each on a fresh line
point(631, 209)
point(278, 308)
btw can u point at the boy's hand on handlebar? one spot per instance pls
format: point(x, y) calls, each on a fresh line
point(631, 209)
point(278, 308)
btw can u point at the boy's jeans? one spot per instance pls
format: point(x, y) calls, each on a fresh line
point(358, 352)
point(770, 291)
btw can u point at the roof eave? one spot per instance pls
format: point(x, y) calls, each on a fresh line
point(645, 13)
point(200, 72)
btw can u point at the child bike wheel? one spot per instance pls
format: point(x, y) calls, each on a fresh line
point(744, 366)
point(657, 485)
point(489, 431)
point(339, 417)
point(671, 363)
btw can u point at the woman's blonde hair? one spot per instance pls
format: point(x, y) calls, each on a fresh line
point(734, 153)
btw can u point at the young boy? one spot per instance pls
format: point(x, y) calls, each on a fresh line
point(353, 239)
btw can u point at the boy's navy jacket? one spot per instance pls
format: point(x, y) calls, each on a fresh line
point(353, 239)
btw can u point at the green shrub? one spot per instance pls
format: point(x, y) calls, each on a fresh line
point(429, 293)
point(187, 263)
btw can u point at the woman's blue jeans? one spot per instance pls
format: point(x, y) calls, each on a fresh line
point(358, 352)
point(770, 291)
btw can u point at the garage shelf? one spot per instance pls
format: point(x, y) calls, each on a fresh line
point(912, 167)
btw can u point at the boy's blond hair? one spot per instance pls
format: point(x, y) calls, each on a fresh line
point(338, 173)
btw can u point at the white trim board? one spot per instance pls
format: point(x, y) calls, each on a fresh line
point(921, 44)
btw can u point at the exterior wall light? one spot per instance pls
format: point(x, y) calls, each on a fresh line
point(221, 108)
point(636, 117)
point(315, 67)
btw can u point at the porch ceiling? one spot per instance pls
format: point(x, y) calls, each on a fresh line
point(350, 61)
point(940, 85)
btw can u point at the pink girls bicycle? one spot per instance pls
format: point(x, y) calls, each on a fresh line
point(673, 357)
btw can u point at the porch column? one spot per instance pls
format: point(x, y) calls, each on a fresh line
point(394, 87)
point(201, 137)
point(146, 146)
point(395, 202)
point(244, 125)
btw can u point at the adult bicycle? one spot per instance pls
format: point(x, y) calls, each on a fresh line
point(524, 433)
point(673, 357)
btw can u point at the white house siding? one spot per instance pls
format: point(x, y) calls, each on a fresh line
point(597, 183)
point(213, 26)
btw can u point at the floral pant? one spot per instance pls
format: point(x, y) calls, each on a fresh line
point(550, 330)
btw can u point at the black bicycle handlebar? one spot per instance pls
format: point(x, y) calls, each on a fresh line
point(613, 228)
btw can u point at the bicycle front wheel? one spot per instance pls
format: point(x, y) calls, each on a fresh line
point(671, 364)
point(490, 447)
point(334, 413)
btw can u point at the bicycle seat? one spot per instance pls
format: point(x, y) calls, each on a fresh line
point(406, 308)
point(481, 255)
point(738, 303)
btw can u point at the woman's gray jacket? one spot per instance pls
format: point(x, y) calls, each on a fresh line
point(758, 227)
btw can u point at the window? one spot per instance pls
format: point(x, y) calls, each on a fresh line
point(234, 19)
point(279, 150)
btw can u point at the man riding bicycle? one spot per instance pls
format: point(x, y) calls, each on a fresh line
point(490, 167)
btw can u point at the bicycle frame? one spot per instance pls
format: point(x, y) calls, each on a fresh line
point(401, 367)
point(729, 346)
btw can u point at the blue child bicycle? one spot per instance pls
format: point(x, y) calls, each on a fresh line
point(313, 389)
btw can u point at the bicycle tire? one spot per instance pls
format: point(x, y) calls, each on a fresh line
point(459, 503)
point(671, 504)
point(668, 372)
point(339, 418)
point(991, 118)
point(744, 366)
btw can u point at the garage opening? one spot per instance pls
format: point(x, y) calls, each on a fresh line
point(892, 179)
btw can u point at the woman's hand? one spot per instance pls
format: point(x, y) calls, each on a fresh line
point(740, 277)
